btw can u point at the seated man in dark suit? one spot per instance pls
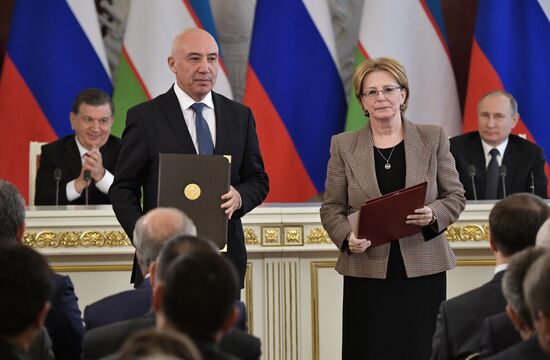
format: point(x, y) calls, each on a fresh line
point(506, 329)
point(63, 322)
point(524, 161)
point(24, 301)
point(536, 288)
point(514, 223)
point(150, 233)
point(108, 339)
point(86, 159)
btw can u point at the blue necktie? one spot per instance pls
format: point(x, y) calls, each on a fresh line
point(491, 186)
point(204, 138)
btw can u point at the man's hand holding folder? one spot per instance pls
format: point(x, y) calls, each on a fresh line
point(390, 217)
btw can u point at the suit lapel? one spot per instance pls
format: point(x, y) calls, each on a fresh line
point(172, 109)
point(511, 159)
point(361, 162)
point(223, 125)
point(71, 156)
point(417, 155)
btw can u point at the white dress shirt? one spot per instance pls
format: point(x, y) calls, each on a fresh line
point(487, 148)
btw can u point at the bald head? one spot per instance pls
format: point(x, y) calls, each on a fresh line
point(154, 228)
point(194, 62)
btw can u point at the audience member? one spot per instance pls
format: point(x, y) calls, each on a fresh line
point(150, 233)
point(513, 223)
point(537, 293)
point(503, 330)
point(107, 340)
point(543, 236)
point(536, 289)
point(198, 298)
point(497, 114)
point(64, 323)
point(24, 301)
point(92, 148)
point(151, 343)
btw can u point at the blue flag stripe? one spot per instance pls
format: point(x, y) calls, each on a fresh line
point(54, 56)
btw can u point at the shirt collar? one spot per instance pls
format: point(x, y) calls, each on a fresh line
point(186, 100)
point(500, 268)
point(81, 149)
point(501, 148)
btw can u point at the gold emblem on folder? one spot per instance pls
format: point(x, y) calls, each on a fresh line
point(192, 191)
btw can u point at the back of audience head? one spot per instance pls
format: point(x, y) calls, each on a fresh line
point(25, 294)
point(177, 246)
point(537, 294)
point(515, 221)
point(12, 214)
point(512, 288)
point(153, 229)
point(543, 236)
point(199, 295)
point(157, 344)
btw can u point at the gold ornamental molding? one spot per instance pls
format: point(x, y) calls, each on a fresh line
point(318, 236)
point(76, 239)
point(294, 235)
point(314, 273)
point(250, 237)
point(468, 232)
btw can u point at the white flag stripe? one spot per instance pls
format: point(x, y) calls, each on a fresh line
point(90, 24)
point(402, 30)
point(320, 14)
point(545, 5)
point(148, 40)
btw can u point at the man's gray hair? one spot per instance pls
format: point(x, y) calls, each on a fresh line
point(543, 236)
point(154, 228)
point(512, 283)
point(12, 212)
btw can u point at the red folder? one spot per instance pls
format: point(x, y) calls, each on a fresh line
point(382, 220)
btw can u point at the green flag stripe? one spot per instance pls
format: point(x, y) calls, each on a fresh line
point(355, 118)
point(128, 92)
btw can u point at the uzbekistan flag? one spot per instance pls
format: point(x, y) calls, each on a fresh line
point(54, 51)
point(295, 91)
point(412, 32)
point(143, 71)
point(510, 51)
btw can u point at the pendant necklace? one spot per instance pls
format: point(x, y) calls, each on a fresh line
point(387, 166)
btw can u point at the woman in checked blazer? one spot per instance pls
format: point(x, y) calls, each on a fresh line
point(391, 292)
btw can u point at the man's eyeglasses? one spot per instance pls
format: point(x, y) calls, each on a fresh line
point(386, 90)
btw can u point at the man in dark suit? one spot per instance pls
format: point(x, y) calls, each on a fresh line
point(24, 301)
point(514, 223)
point(524, 161)
point(63, 322)
point(501, 331)
point(86, 159)
point(107, 340)
point(191, 119)
point(150, 233)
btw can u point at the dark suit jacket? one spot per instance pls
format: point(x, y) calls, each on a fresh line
point(529, 349)
point(458, 327)
point(64, 322)
point(158, 126)
point(125, 305)
point(107, 340)
point(63, 154)
point(521, 158)
point(497, 334)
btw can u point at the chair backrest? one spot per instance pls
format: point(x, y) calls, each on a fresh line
point(35, 149)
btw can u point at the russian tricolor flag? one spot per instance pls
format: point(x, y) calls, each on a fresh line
point(143, 71)
point(511, 51)
point(54, 51)
point(295, 91)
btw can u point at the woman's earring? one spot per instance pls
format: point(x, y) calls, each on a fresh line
point(402, 107)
